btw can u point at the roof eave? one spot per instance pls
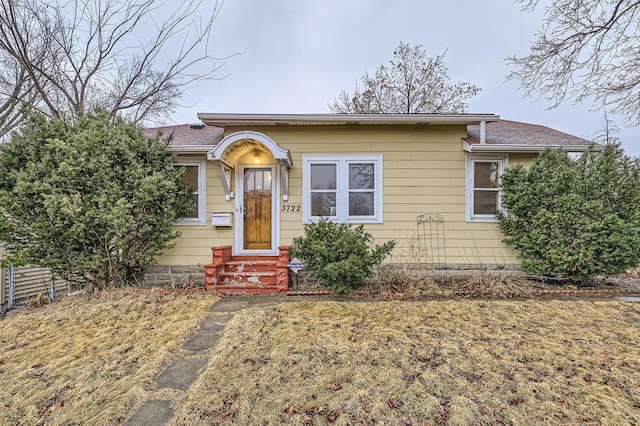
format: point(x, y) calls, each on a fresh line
point(524, 149)
point(189, 149)
point(229, 120)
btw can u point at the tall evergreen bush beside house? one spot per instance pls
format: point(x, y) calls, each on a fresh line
point(92, 197)
point(574, 218)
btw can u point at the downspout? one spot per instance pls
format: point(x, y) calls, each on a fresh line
point(483, 132)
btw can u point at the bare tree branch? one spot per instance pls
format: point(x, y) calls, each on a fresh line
point(608, 134)
point(133, 59)
point(586, 51)
point(412, 83)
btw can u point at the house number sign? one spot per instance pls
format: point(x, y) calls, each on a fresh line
point(295, 265)
point(290, 208)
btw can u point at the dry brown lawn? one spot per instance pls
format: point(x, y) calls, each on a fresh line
point(91, 360)
point(95, 361)
point(437, 362)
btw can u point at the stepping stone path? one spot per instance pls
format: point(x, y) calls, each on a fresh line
point(182, 373)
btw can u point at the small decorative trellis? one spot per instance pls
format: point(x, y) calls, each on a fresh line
point(432, 238)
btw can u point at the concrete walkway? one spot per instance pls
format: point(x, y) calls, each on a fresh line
point(183, 372)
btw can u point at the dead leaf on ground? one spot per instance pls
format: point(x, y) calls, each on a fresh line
point(334, 386)
point(333, 416)
point(395, 403)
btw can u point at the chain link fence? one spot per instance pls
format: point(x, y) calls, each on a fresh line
point(19, 284)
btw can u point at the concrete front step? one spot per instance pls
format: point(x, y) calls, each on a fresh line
point(243, 288)
point(261, 265)
point(253, 258)
point(253, 278)
point(247, 274)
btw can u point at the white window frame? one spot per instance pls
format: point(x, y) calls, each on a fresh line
point(202, 192)
point(342, 186)
point(503, 160)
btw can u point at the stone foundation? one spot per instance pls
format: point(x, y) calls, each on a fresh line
point(193, 276)
point(173, 276)
point(462, 270)
point(306, 282)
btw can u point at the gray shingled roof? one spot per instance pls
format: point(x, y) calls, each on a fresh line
point(185, 135)
point(505, 132)
point(502, 132)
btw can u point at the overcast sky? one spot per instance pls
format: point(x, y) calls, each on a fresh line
point(298, 54)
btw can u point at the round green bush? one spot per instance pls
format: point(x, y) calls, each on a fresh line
point(340, 255)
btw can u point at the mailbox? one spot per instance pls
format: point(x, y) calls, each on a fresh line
point(221, 218)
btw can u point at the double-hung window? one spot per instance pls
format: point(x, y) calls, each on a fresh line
point(483, 187)
point(345, 188)
point(195, 177)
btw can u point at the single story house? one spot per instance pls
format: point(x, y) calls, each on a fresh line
point(428, 181)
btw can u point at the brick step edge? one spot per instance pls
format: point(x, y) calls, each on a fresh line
point(253, 259)
point(241, 284)
point(245, 289)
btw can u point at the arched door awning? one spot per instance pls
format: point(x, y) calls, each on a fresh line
point(227, 152)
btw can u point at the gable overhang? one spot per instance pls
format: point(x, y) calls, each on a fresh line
point(227, 152)
point(229, 149)
point(524, 149)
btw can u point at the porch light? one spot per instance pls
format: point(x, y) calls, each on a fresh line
point(256, 158)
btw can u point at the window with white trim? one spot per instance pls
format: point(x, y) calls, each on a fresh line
point(195, 177)
point(483, 186)
point(344, 188)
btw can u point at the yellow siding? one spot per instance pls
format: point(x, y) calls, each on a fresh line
point(194, 245)
point(424, 172)
point(524, 159)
